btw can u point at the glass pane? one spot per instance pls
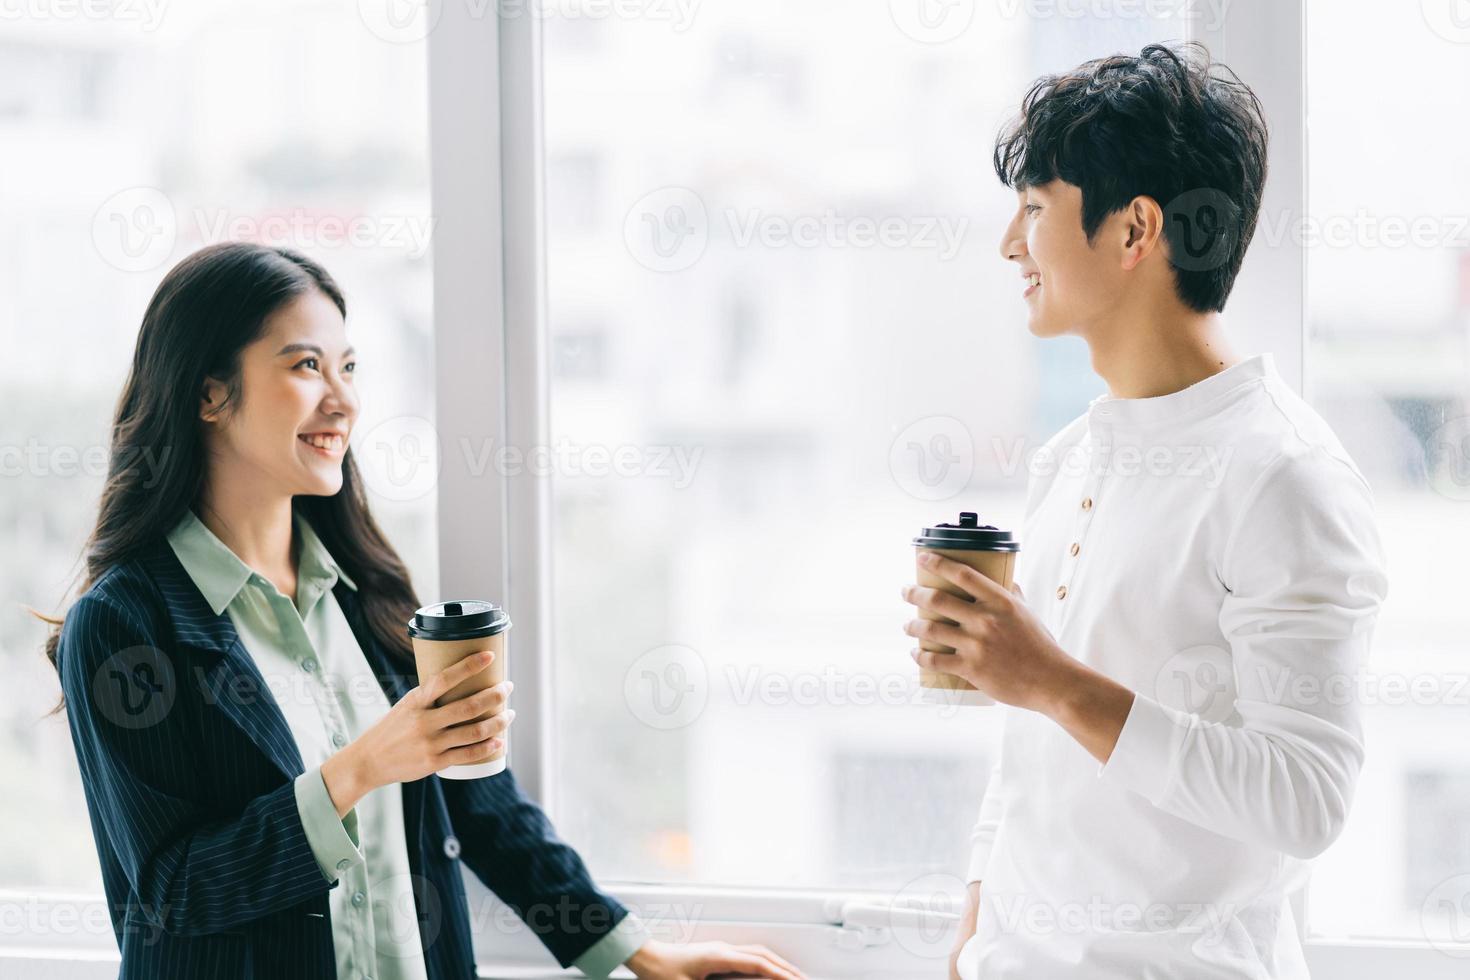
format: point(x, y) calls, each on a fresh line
point(783, 340)
point(127, 144)
point(1388, 366)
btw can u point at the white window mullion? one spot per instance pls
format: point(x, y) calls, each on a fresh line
point(1264, 42)
point(484, 128)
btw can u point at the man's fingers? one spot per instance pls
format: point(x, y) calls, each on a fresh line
point(943, 663)
point(944, 634)
point(983, 588)
point(940, 602)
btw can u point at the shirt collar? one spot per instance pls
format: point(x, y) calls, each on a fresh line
point(1181, 405)
point(219, 573)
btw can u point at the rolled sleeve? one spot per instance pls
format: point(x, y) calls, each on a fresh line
point(334, 841)
point(613, 950)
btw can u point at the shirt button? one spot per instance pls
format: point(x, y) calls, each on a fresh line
point(308, 665)
point(1061, 592)
point(1074, 549)
point(1087, 503)
point(358, 898)
point(343, 864)
point(338, 739)
point(451, 847)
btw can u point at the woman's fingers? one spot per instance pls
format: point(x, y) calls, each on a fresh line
point(468, 755)
point(749, 964)
point(476, 731)
point(774, 958)
point(442, 682)
point(492, 699)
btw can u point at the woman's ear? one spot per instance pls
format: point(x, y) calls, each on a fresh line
point(211, 398)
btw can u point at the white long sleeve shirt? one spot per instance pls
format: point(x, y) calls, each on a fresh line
point(1214, 550)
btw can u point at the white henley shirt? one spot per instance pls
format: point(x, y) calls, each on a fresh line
point(1215, 550)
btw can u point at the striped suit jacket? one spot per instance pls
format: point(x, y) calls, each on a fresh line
point(188, 767)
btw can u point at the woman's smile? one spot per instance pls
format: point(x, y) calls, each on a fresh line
point(328, 444)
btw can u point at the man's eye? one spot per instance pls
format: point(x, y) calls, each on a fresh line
point(1032, 208)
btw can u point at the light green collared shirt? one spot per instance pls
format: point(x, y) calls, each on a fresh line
point(316, 672)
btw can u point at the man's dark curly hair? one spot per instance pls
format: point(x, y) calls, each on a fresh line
point(1164, 125)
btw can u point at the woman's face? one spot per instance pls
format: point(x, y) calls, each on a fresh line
point(296, 389)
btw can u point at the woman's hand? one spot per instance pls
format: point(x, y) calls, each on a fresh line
point(415, 738)
point(696, 961)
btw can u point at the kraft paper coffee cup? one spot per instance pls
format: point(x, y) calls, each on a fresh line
point(444, 634)
point(991, 552)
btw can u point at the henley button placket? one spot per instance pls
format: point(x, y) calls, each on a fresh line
point(1098, 449)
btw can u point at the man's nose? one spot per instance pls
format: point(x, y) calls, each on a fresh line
point(1012, 243)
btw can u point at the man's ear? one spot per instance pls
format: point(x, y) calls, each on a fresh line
point(1143, 227)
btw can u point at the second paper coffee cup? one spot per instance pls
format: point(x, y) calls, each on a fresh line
point(991, 552)
point(444, 634)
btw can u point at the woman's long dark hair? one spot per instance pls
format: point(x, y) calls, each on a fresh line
point(205, 311)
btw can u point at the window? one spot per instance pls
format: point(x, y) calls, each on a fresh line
point(810, 349)
point(129, 143)
point(1387, 237)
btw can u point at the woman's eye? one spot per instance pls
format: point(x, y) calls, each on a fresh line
point(349, 367)
point(1032, 208)
point(309, 360)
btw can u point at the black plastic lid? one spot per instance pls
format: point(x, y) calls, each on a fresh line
point(968, 535)
point(458, 619)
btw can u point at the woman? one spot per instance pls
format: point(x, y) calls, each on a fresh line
point(259, 767)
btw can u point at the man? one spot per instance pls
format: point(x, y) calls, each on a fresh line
point(1200, 570)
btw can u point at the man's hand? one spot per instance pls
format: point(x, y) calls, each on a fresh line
point(966, 927)
point(696, 961)
point(1002, 648)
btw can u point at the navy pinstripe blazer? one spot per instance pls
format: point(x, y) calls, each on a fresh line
point(188, 767)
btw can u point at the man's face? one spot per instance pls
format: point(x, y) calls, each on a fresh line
point(1073, 285)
